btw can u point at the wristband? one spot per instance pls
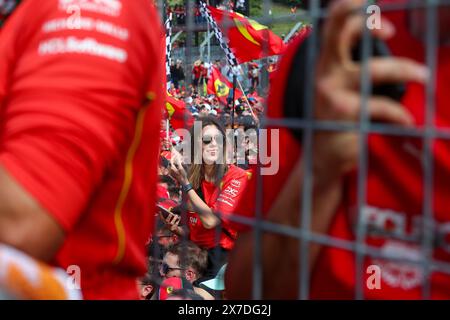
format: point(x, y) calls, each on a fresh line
point(187, 187)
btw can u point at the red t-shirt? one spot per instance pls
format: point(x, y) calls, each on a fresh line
point(197, 71)
point(204, 72)
point(395, 198)
point(394, 190)
point(77, 132)
point(224, 200)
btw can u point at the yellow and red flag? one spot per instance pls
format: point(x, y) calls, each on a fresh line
point(248, 39)
point(177, 113)
point(219, 85)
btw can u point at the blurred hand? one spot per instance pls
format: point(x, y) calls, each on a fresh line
point(172, 221)
point(338, 83)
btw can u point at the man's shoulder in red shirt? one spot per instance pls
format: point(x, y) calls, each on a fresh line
point(80, 93)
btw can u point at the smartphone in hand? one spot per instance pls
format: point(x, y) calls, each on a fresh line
point(395, 91)
point(163, 211)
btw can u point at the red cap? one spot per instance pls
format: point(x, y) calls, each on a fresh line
point(169, 285)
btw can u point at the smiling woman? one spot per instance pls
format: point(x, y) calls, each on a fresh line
point(211, 187)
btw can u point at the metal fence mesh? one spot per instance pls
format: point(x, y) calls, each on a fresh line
point(429, 133)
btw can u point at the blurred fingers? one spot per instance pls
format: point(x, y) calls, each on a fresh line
point(397, 70)
point(353, 31)
point(348, 106)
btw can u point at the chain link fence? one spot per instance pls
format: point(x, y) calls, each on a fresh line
point(429, 219)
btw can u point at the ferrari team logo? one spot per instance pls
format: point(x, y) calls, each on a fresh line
point(169, 290)
point(222, 89)
point(243, 29)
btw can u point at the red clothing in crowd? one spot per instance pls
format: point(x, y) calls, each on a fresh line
point(162, 192)
point(394, 190)
point(204, 72)
point(78, 134)
point(197, 71)
point(174, 92)
point(223, 200)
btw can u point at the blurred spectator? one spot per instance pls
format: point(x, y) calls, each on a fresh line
point(186, 260)
point(184, 294)
point(253, 75)
point(147, 287)
point(204, 109)
point(177, 74)
point(240, 6)
point(180, 15)
point(162, 239)
point(196, 74)
point(173, 90)
point(271, 66)
point(218, 64)
point(162, 192)
point(170, 184)
point(197, 15)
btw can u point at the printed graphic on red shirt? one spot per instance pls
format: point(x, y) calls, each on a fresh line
point(222, 200)
point(74, 75)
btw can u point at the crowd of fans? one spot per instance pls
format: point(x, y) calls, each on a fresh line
point(78, 184)
point(201, 73)
point(177, 249)
point(179, 15)
point(178, 11)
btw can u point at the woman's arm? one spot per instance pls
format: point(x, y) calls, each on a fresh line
point(207, 217)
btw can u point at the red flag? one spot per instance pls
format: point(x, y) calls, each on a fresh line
point(248, 39)
point(177, 113)
point(219, 85)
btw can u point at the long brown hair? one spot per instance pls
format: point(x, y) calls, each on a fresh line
point(197, 170)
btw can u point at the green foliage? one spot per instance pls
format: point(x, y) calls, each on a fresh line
point(277, 9)
point(289, 2)
point(256, 8)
